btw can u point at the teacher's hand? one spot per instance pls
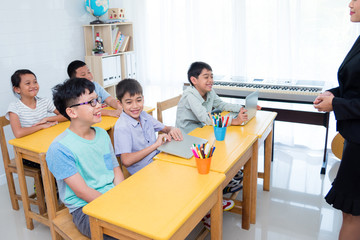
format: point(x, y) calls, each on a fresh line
point(326, 93)
point(323, 103)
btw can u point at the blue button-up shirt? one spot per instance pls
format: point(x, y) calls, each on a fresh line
point(131, 136)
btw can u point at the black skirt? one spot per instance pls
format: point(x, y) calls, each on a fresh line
point(345, 192)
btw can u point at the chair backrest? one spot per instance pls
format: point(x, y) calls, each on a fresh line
point(4, 150)
point(337, 145)
point(164, 105)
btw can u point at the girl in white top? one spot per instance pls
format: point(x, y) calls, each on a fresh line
point(30, 113)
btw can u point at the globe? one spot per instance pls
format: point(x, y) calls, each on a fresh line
point(97, 8)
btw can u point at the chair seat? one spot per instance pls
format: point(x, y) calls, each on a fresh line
point(337, 145)
point(27, 169)
point(65, 226)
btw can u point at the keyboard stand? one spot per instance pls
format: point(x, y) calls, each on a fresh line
point(313, 118)
point(297, 116)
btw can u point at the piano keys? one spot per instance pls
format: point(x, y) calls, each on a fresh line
point(301, 91)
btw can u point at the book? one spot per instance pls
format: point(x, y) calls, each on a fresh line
point(119, 43)
point(116, 41)
point(125, 44)
point(114, 32)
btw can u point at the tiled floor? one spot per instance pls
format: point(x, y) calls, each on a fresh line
point(293, 209)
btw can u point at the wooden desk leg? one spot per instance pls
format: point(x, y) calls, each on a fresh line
point(96, 232)
point(267, 161)
point(23, 189)
point(254, 175)
point(246, 202)
point(217, 217)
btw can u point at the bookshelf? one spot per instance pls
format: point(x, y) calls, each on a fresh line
point(111, 67)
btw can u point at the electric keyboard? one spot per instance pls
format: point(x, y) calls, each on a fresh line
point(278, 90)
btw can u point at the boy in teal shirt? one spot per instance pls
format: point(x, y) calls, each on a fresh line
point(82, 158)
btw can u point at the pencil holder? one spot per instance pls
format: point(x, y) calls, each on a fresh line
point(220, 133)
point(203, 165)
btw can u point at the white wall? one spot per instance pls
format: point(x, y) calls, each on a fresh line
point(43, 36)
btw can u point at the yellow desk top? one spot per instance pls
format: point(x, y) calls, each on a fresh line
point(146, 204)
point(227, 152)
point(260, 122)
point(40, 141)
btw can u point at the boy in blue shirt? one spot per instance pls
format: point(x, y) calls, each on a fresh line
point(79, 69)
point(134, 137)
point(81, 158)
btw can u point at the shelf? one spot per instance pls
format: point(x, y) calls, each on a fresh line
point(105, 32)
point(109, 69)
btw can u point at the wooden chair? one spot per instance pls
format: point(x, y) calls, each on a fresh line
point(123, 168)
point(61, 224)
point(10, 169)
point(337, 145)
point(164, 105)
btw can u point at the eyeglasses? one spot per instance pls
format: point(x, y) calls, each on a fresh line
point(92, 102)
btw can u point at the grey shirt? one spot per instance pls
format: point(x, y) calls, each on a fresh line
point(192, 111)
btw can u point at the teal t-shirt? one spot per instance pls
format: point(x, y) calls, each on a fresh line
point(93, 159)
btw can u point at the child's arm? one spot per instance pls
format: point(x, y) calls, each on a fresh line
point(56, 119)
point(224, 106)
point(112, 102)
point(241, 117)
point(173, 132)
point(200, 112)
point(23, 131)
point(129, 159)
point(80, 188)
point(118, 175)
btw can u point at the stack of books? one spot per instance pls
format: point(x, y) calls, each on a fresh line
point(120, 41)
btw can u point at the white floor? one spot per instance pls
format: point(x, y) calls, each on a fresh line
point(294, 208)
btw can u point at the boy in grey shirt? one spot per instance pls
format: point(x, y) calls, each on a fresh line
point(200, 99)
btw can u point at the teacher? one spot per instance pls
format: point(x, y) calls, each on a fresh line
point(344, 100)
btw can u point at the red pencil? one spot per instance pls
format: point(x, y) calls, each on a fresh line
point(227, 120)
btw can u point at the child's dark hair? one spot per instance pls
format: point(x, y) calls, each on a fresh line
point(128, 85)
point(73, 66)
point(196, 68)
point(67, 93)
point(16, 77)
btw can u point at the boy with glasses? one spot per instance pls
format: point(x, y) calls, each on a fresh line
point(79, 69)
point(82, 158)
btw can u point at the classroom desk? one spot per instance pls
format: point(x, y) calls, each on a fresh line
point(230, 156)
point(161, 201)
point(33, 147)
point(262, 126)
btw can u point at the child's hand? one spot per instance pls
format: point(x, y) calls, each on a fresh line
point(49, 124)
point(241, 117)
point(115, 113)
point(175, 134)
point(162, 138)
point(42, 121)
